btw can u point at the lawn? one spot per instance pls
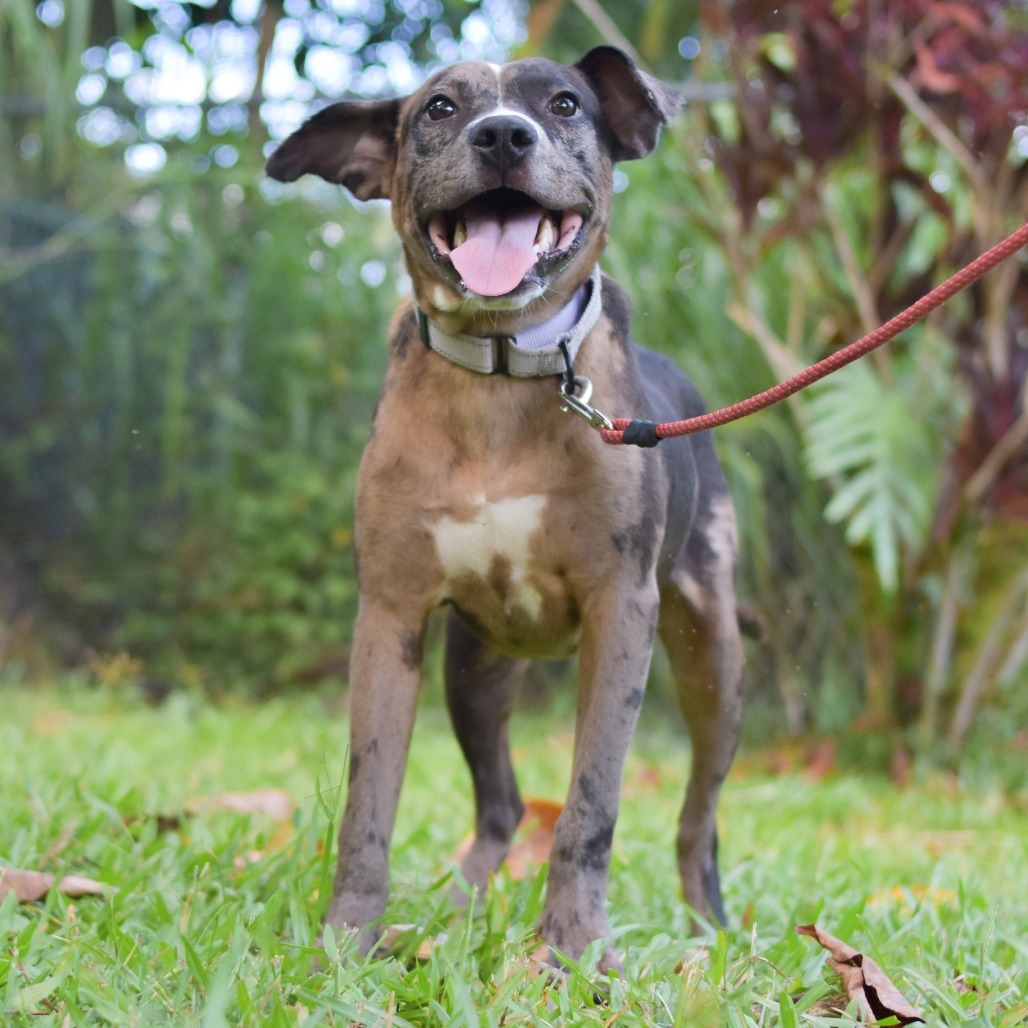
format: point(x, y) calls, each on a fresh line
point(209, 916)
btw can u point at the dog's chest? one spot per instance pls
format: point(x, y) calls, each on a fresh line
point(497, 570)
point(493, 547)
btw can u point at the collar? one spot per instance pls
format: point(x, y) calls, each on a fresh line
point(534, 353)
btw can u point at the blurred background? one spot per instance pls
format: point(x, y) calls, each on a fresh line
point(190, 353)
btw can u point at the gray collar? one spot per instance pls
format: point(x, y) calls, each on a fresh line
point(534, 353)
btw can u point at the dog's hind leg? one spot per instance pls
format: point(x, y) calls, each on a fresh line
point(700, 631)
point(480, 688)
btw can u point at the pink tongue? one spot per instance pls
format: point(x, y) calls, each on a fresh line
point(498, 252)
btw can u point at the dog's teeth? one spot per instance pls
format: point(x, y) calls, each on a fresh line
point(460, 234)
point(546, 237)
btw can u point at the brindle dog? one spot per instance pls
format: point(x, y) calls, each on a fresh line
point(478, 492)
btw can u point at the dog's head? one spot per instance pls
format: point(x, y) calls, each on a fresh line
point(500, 176)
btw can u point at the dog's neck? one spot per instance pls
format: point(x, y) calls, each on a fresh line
point(539, 351)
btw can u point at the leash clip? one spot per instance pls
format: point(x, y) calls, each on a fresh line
point(574, 396)
point(575, 391)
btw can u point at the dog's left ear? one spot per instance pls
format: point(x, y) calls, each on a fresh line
point(635, 105)
point(352, 143)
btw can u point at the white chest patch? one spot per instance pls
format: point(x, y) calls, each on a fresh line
point(498, 530)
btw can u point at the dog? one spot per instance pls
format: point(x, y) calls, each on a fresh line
point(476, 490)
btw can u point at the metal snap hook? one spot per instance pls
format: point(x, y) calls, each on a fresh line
point(576, 398)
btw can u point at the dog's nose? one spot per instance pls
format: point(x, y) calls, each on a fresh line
point(504, 139)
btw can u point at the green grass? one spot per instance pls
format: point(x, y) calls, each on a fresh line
point(212, 919)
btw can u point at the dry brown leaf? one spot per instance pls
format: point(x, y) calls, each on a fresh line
point(643, 776)
point(696, 955)
point(942, 842)
point(532, 839)
point(540, 961)
point(863, 980)
point(394, 937)
point(820, 760)
point(272, 802)
point(277, 841)
point(51, 722)
point(830, 1006)
point(30, 886)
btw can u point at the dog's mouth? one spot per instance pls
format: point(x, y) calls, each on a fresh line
point(497, 239)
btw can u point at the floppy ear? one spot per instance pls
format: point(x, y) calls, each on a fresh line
point(635, 105)
point(352, 143)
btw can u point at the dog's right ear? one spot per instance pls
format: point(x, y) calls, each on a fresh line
point(352, 143)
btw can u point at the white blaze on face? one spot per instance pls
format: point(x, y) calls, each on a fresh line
point(500, 529)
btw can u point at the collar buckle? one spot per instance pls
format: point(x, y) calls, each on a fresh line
point(501, 354)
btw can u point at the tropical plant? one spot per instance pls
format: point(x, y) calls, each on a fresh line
point(844, 158)
point(884, 141)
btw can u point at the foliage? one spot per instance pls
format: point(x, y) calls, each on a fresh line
point(144, 79)
point(211, 917)
point(859, 161)
point(188, 357)
point(262, 593)
point(173, 409)
point(657, 34)
point(872, 440)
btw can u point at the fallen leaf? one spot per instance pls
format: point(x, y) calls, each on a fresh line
point(30, 886)
point(272, 802)
point(532, 838)
point(52, 721)
point(863, 980)
point(540, 961)
point(941, 842)
point(820, 760)
point(398, 935)
point(649, 776)
point(830, 1006)
point(277, 841)
point(698, 955)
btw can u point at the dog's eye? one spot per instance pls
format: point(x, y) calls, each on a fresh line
point(564, 105)
point(439, 107)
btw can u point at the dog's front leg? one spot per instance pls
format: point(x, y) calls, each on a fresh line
point(385, 671)
point(617, 643)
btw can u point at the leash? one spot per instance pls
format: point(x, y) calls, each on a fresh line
point(637, 432)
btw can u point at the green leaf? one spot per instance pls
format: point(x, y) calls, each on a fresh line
point(868, 439)
point(787, 1012)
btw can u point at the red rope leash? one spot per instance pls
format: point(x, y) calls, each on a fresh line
point(646, 433)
